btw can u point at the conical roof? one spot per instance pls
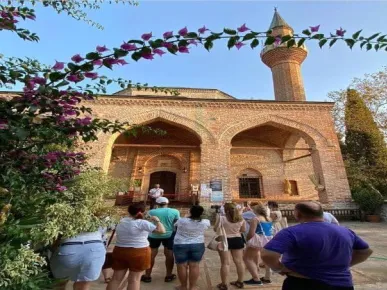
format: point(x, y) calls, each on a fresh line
point(278, 20)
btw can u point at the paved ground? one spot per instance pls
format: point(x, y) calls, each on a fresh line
point(370, 275)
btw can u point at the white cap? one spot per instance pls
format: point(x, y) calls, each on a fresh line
point(161, 200)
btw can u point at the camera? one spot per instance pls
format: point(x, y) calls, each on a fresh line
point(216, 207)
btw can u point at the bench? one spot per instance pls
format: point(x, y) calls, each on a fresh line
point(340, 214)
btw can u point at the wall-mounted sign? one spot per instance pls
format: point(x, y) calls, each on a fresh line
point(216, 188)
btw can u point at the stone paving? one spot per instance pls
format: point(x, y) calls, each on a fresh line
point(371, 275)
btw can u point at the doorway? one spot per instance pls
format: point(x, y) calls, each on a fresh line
point(167, 181)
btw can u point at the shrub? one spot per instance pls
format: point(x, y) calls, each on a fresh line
point(368, 198)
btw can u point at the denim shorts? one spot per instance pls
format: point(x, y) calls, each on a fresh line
point(78, 262)
point(185, 253)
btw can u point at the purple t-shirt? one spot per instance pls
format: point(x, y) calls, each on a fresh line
point(319, 251)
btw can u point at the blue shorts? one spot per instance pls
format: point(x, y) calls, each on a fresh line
point(78, 262)
point(185, 253)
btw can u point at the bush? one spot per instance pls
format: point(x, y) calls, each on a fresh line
point(368, 198)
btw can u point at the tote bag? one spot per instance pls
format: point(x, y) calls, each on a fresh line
point(259, 241)
point(109, 255)
point(219, 241)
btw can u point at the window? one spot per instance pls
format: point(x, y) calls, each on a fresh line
point(249, 187)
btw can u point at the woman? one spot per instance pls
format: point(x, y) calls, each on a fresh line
point(189, 247)
point(234, 226)
point(261, 226)
point(132, 251)
point(79, 259)
point(279, 222)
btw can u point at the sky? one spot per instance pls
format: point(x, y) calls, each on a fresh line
point(238, 73)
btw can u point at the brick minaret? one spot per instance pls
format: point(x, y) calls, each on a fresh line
point(285, 63)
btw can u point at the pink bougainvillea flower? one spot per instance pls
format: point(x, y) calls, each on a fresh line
point(193, 41)
point(315, 28)
point(60, 187)
point(183, 49)
point(183, 31)
point(277, 41)
point(243, 28)
point(239, 44)
point(4, 14)
point(97, 62)
point(77, 58)
point(203, 29)
point(84, 122)
point(61, 119)
point(91, 75)
point(121, 61)
point(73, 78)
point(102, 48)
point(146, 36)
point(39, 80)
point(147, 55)
point(58, 65)
point(3, 124)
point(128, 46)
point(32, 17)
point(110, 61)
point(340, 32)
point(158, 51)
point(168, 34)
point(168, 44)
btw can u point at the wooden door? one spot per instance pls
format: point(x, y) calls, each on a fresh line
point(167, 181)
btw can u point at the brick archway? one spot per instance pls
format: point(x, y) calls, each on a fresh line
point(310, 134)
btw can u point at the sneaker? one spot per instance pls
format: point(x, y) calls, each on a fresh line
point(265, 281)
point(253, 282)
point(146, 279)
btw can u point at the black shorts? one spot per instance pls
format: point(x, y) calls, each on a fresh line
point(156, 243)
point(235, 243)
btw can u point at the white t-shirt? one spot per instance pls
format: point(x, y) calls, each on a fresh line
point(190, 231)
point(330, 218)
point(133, 233)
point(156, 192)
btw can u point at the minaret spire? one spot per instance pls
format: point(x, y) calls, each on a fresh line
point(285, 63)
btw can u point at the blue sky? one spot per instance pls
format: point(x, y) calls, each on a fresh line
point(239, 73)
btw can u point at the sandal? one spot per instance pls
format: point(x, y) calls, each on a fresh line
point(146, 279)
point(107, 280)
point(238, 284)
point(170, 278)
point(222, 286)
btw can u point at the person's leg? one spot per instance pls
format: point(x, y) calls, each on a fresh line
point(154, 244)
point(134, 280)
point(106, 275)
point(117, 278)
point(251, 257)
point(194, 272)
point(82, 285)
point(182, 274)
point(237, 256)
point(169, 262)
point(224, 266)
point(61, 285)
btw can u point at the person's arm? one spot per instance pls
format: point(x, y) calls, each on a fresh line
point(161, 192)
point(272, 260)
point(243, 227)
point(160, 229)
point(253, 227)
point(361, 251)
point(217, 221)
point(334, 220)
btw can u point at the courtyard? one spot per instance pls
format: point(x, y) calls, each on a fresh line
point(370, 275)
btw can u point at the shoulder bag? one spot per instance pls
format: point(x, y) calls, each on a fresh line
point(109, 255)
point(219, 241)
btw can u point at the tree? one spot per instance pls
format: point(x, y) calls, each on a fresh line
point(373, 90)
point(41, 183)
point(365, 146)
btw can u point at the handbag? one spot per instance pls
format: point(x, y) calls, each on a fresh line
point(109, 255)
point(219, 241)
point(258, 241)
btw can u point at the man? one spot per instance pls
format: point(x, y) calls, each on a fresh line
point(155, 193)
point(330, 218)
point(315, 255)
point(168, 217)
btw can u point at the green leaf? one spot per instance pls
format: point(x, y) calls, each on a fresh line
point(106, 64)
point(269, 40)
point(322, 42)
point(231, 42)
point(306, 32)
point(381, 38)
point(369, 46)
point(376, 47)
point(301, 42)
point(363, 43)
point(87, 67)
point(191, 35)
point(182, 42)
point(173, 49)
point(350, 42)
point(291, 43)
point(120, 53)
point(92, 55)
point(21, 133)
point(136, 41)
point(208, 45)
point(61, 84)
point(156, 43)
point(356, 34)
point(229, 31)
point(373, 36)
point(254, 43)
point(318, 36)
point(55, 76)
point(285, 38)
point(249, 36)
point(72, 66)
point(136, 56)
point(332, 42)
